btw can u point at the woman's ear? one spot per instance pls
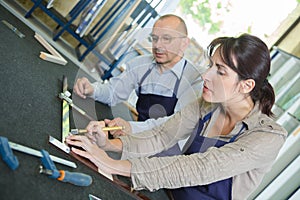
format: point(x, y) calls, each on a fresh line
point(247, 86)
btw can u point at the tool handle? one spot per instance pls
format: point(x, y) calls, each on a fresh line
point(78, 179)
point(7, 155)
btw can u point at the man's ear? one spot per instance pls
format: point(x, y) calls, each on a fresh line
point(247, 86)
point(185, 43)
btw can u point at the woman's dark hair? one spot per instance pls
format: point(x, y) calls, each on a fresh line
point(250, 58)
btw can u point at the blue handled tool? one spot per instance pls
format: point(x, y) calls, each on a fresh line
point(7, 154)
point(78, 179)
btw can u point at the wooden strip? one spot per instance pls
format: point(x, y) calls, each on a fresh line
point(65, 112)
point(52, 58)
point(65, 120)
point(48, 46)
point(109, 40)
point(133, 110)
point(296, 132)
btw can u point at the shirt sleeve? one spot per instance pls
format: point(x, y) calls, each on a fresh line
point(137, 126)
point(257, 149)
point(117, 89)
point(179, 126)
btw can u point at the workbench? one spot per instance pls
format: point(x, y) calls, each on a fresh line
point(31, 111)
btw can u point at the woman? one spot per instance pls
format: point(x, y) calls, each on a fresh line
point(234, 140)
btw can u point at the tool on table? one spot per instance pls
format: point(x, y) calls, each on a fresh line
point(50, 169)
point(65, 112)
point(59, 144)
point(93, 197)
point(81, 131)
point(14, 29)
point(37, 153)
point(66, 149)
point(7, 155)
point(66, 97)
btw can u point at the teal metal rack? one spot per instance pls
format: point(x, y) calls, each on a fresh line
point(98, 32)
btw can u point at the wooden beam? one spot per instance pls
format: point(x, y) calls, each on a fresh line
point(54, 56)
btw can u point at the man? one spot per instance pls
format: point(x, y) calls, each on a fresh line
point(164, 81)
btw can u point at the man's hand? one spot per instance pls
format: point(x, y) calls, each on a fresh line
point(83, 88)
point(119, 122)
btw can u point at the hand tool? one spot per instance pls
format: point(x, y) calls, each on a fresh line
point(37, 153)
point(66, 149)
point(14, 29)
point(50, 169)
point(7, 155)
point(112, 128)
point(92, 197)
point(59, 144)
point(66, 97)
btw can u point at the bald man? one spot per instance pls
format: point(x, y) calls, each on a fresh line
point(164, 81)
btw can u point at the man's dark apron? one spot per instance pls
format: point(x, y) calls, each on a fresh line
point(220, 190)
point(155, 106)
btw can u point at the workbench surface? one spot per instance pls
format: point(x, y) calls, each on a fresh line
point(31, 111)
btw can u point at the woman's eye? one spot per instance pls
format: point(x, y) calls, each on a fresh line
point(220, 72)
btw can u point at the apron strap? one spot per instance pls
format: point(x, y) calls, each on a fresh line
point(143, 78)
point(202, 121)
point(196, 130)
point(239, 133)
point(175, 90)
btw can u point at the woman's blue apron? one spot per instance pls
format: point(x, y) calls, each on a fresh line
point(220, 190)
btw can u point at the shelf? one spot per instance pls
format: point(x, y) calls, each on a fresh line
point(283, 179)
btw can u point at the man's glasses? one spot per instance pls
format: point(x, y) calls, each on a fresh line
point(165, 39)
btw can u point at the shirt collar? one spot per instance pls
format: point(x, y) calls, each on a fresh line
point(252, 119)
point(177, 69)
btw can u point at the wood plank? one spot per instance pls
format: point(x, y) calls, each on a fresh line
point(52, 58)
point(50, 49)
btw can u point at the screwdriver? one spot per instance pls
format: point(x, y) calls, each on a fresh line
point(78, 179)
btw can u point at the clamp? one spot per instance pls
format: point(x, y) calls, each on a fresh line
point(48, 167)
point(7, 155)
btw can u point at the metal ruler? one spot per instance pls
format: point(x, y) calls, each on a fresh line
point(37, 153)
point(60, 145)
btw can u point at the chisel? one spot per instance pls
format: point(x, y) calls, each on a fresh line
point(14, 29)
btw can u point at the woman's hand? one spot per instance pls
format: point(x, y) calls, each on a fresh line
point(96, 134)
point(90, 151)
point(119, 122)
point(98, 156)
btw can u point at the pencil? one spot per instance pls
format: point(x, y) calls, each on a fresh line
point(112, 128)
